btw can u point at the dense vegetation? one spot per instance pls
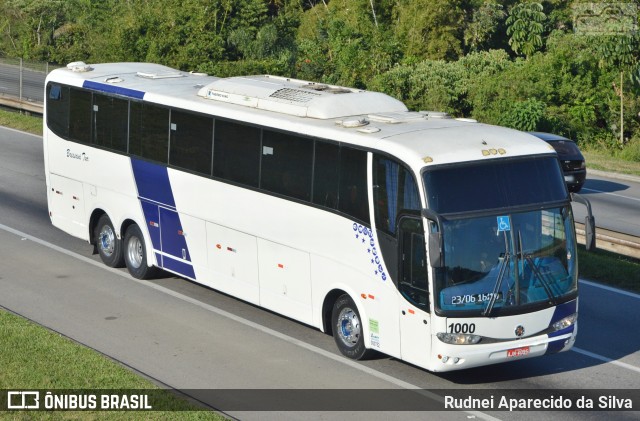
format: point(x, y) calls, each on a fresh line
point(526, 65)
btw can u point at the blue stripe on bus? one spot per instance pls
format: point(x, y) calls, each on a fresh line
point(152, 216)
point(113, 89)
point(162, 221)
point(179, 267)
point(153, 182)
point(564, 310)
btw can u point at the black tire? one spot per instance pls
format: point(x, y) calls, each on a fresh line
point(108, 244)
point(347, 328)
point(135, 254)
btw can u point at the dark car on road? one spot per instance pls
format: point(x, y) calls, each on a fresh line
point(573, 165)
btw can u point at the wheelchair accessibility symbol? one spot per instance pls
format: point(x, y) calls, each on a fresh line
point(504, 224)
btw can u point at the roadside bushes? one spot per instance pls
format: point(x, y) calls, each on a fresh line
point(565, 90)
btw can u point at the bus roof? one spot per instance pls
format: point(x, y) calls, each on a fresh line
point(365, 118)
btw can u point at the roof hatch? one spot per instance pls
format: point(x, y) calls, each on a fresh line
point(299, 97)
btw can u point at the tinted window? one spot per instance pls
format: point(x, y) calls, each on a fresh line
point(236, 155)
point(58, 109)
point(326, 174)
point(353, 198)
point(286, 164)
point(110, 122)
point(413, 265)
point(395, 191)
point(149, 131)
point(566, 148)
point(191, 142)
point(494, 184)
point(80, 115)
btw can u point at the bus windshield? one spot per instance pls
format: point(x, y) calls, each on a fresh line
point(508, 242)
point(497, 264)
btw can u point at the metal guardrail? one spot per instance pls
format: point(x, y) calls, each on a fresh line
point(22, 83)
point(616, 242)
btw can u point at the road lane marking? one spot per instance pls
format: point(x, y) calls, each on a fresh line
point(289, 339)
point(38, 137)
point(605, 359)
point(610, 289)
point(612, 194)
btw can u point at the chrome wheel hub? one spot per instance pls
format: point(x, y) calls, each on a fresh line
point(107, 240)
point(348, 326)
point(134, 252)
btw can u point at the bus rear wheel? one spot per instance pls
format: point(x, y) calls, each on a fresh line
point(135, 254)
point(347, 328)
point(108, 244)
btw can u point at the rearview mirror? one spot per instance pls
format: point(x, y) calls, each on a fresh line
point(589, 223)
point(435, 238)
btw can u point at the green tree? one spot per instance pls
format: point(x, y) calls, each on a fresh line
point(525, 27)
point(484, 24)
point(525, 115)
point(622, 53)
point(430, 29)
point(340, 43)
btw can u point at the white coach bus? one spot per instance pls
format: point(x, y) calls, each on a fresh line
point(443, 242)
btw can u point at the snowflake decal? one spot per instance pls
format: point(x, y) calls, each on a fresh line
point(364, 236)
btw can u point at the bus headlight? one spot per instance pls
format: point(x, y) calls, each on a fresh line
point(458, 338)
point(566, 322)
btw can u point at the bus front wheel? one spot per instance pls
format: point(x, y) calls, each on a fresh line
point(347, 328)
point(135, 254)
point(108, 244)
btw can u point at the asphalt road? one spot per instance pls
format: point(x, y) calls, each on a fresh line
point(615, 200)
point(186, 336)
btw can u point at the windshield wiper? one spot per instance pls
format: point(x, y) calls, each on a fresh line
point(545, 283)
point(536, 271)
point(494, 295)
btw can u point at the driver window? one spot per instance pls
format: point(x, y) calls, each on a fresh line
point(413, 265)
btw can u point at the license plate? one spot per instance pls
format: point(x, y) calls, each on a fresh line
point(518, 352)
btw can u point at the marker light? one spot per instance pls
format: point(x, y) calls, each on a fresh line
point(458, 338)
point(566, 322)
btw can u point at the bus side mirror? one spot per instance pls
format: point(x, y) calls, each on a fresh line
point(590, 233)
point(435, 249)
point(435, 238)
point(589, 223)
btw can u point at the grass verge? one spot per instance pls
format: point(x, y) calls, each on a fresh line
point(609, 268)
point(36, 358)
point(19, 121)
point(604, 161)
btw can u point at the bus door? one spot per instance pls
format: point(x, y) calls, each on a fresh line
point(415, 329)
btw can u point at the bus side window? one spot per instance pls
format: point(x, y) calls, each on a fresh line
point(236, 153)
point(149, 132)
point(58, 109)
point(110, 122)
point(326, 174)
point(354, 197)
point(191, 142)
point(80, 116)
point(394, 191)
point(286, 164)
